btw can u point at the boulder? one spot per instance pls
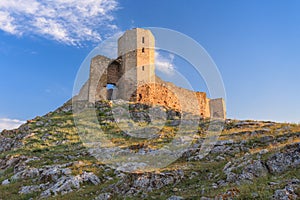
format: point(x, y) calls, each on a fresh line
point(5, 182)
point(104, 196)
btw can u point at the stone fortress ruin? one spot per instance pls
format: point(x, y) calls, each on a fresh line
point(132, 75)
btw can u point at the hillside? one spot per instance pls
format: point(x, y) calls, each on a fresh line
point(45, 158)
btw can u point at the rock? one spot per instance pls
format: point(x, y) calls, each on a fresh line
point(63, 185)
point(289, 191)
point(229, 194)
point(53, 172)
point(231, 177)
point(146, 182)
point(263, 151)
point(66, 184)
point(224, 142)
point(33, 188)
point(67, 108)
point(104, 196)
point(66, 171)
point(5, 182)
point(39, 123)
point(26, 173)
point(280, 162)
point(218, 149)
point(294, 181)
point(254, 195)
point(257, 168)
point(214, 185)
point(284, 195)
point(132, 166)
point(7, 143)
point(244, 169)
point(175, 122)
point(246, 124)
point(194, 174)
point(272, 183)
point(90, 177)
point(175, 198)
point(220, 158)
point(266, 139)
point(29, 189)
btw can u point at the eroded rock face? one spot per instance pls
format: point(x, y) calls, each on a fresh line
point(33, 188)
point(288, 192)
point(244, 169)
point(280, 162)
point(247, 168)
point(10, 139)
point(63, 185)
point(132, 184)
point(57, 179)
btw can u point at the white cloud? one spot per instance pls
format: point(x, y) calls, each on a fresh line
point(165, 64)
point(67, 21)
point(8, 124)
point(6, 23)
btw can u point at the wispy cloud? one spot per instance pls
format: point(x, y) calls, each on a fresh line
point(165, 63)
point(68, 21)
point(8, 124)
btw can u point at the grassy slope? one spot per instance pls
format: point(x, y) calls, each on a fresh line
point(56, 142)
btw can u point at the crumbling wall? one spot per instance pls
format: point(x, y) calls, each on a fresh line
point(157, 94)
point(127, 84)
point(217, 108)
point(98, 78)
point(169, 95)
point(113, 73)
point(83, 94)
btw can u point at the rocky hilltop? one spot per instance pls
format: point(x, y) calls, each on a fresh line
point(45, 159)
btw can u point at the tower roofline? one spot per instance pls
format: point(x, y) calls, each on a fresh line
point(136, 30)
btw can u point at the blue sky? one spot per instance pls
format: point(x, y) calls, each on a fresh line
point(255, 45)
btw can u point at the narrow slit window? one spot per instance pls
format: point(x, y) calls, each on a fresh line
point(143, 50)
point(143, 39)
point(143, 68)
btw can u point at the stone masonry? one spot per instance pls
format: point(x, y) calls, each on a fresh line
point(133, 76)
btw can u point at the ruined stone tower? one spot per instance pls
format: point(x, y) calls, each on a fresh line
point(132, 74)
point(136, 49)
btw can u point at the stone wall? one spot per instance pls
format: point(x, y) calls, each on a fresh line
point(114, 72)
point(217, 108)
point(171, 96)
point(83, 94)
point(128, 82)
point(98, 78)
